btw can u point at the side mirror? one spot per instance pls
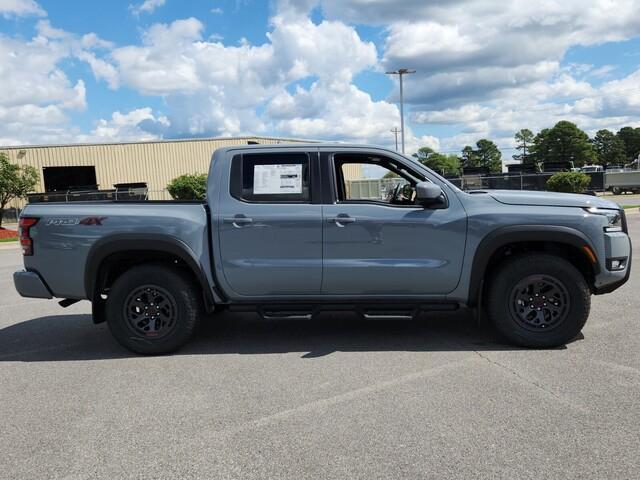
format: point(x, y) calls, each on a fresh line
point(428, 193)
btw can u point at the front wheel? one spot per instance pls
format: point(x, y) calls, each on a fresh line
point(538, 300)
point(153, 309)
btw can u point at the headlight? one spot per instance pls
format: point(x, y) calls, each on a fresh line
point(614, 218)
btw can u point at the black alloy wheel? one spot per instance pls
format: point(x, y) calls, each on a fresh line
point(151, 311)
point(540, 302)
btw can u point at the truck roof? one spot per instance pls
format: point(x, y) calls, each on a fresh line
point(323, 145)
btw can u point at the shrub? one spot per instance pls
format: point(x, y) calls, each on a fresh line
point(191, 186)
point(568, 182)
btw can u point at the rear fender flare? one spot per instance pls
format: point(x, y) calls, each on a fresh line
point(113, 244)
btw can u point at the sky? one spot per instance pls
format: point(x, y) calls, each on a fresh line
point(102, 71)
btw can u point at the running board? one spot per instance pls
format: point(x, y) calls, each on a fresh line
point(376, 311)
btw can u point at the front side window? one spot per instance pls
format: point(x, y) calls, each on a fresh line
point(374, 179)
point(281, 177)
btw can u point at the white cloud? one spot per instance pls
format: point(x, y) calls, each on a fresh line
point(37, 95)
point(489, 67)
point(139, 124)
point(148, 6)
point(21, 8)
point(101, 69)
point(46, 30)
point(213, 88)
point(413, 143)
point(476, 49)
point(612, 105)
point(485, 68)
point(91, 40)
point(333, 110)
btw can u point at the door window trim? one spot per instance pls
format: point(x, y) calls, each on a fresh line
point(334, 182)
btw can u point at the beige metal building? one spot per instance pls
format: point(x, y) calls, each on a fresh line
point(105, 164)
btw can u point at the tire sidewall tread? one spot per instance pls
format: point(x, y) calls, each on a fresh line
point(511, 272)
point(179, 284)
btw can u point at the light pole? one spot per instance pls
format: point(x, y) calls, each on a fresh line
point(400, 72)
point(395, 132)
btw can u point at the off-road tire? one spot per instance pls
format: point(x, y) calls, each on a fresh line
point(502, 307)
point(178, 291)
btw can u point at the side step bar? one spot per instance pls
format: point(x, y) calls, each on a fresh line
point(268, 314)
point(366, 311)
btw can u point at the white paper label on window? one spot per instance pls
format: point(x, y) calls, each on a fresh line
point(277, 179)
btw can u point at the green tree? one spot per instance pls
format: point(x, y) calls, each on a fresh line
point(524, 141)
point(540, 149)
point(568, 182)
point(631, 138)
point(438, 162)
point(565, 142)
point(610, 150)
point(444, 164)
point(15, 181)
point(488, 155)
point(468, 157)
point(423, 153)
point(188, 187)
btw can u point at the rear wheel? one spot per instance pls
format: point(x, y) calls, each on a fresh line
point(538, 300)
point(153, 309)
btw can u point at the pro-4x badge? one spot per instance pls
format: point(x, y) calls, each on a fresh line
point(92, 220)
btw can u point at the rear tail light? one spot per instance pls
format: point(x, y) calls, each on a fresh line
point(25, 235)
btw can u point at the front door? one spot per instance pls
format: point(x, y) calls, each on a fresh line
point(270, 230)
point(377, 241)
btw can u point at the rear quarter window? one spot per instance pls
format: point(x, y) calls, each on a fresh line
point(271, 177)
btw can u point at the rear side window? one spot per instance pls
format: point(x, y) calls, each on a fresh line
point(271, 177)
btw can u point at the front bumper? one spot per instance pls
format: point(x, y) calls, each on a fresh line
point(30, 285)
point(617, 246)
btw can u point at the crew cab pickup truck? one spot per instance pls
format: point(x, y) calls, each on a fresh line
point(285, 233)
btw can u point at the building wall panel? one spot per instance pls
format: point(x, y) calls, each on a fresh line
point(155, 163)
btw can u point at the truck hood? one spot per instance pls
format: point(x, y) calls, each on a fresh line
point(549, 199)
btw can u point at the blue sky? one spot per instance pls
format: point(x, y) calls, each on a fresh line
point(79, 71)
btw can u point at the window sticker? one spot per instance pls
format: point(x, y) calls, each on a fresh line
point(277, 179)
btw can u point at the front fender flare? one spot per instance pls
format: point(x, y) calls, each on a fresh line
point(520, 233)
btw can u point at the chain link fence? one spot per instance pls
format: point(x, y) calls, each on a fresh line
point(510, 181)
point(376, 189)
point(12, 213)
point(365, 189)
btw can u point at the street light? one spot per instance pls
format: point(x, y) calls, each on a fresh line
point(400, 72)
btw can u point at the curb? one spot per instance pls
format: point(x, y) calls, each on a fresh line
point(10, 246)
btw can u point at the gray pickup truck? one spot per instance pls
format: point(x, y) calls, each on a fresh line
point(286, 233)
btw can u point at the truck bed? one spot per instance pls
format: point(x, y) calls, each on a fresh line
point(67, 235)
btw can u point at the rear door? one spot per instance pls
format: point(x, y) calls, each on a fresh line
point(270, 225)
point(377, 241)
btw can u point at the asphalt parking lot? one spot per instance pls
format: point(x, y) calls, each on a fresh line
point(330, 398)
